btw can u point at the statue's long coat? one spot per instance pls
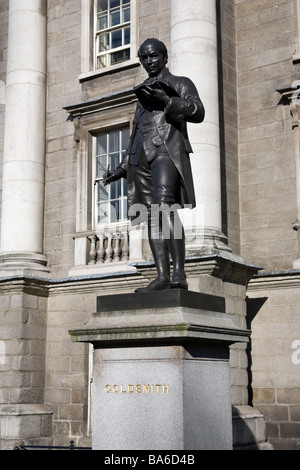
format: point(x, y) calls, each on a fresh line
point(171, 126)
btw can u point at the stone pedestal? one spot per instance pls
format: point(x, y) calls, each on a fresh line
point(161, 371)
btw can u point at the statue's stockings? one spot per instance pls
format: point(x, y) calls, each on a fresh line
point(166, 237)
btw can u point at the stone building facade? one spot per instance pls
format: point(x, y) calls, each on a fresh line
point(67, 72)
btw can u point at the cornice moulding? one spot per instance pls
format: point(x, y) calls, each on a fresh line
point(100, 104)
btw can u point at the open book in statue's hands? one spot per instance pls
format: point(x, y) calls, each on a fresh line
point(154, 95)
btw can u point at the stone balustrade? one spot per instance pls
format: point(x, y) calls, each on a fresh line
point(109, 249)
point(109, 246)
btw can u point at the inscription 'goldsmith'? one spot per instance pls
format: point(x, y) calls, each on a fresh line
point(149, 389)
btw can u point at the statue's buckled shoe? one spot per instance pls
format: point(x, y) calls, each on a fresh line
point(157, 284)
point(179, 283)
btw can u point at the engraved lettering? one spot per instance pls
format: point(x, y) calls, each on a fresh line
point(145, 389)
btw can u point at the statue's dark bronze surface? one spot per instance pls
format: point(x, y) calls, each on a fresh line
point(169, 299)
point(157, 164)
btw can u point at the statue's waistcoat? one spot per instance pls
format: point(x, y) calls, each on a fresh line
point(146, 137)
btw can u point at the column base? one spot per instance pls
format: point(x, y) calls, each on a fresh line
point(206, 241)
point(249, 429)
point(24, 424)
point(23, 264)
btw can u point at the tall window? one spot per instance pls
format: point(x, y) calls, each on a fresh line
point(112, 32)
point(111, 200)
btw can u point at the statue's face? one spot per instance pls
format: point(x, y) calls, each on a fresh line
point(151, 59)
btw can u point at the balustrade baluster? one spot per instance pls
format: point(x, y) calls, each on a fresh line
point(101, 250)
point(109, 249)
point(125, 249)
point(117, 252)
point(93, 253)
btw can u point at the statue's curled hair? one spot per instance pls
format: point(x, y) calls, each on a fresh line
point(159, 45)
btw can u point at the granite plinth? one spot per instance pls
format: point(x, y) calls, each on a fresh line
point(165, 317)
point(161, 377)
point(159, 300)
point(161, 398)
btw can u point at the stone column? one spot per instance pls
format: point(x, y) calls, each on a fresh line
point(194, 54)
point(294, 107)
point(290, 95)
point(25, 138)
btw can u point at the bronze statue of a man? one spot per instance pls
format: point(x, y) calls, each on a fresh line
point(157, 164)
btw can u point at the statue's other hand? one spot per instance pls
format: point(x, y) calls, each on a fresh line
point(112, 176)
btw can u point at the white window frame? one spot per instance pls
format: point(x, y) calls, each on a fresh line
point(109, 30)
point(91, 118)
point(98, 179)
point(88, 70)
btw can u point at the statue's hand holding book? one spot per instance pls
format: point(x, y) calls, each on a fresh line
point(155, 95)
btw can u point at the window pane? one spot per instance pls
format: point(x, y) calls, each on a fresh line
point(111, 200)
point(101, 166)
point(103, 213)
point(102, 193)
point(114, 141)
point(102, 22)
point(126, 14)
point(125, 138)
point(114, 3)
point(114, 160)
point(114, 211)
point(102, 5)
point(104, 42)
point(115, 18)
point(102, 61)
point(120, 56)
point(116, 39)
point(115, 190)
point(101, 147)
point(127, 36)
point(125, 2)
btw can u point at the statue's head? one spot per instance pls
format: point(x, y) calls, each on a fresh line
point(153, 56)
